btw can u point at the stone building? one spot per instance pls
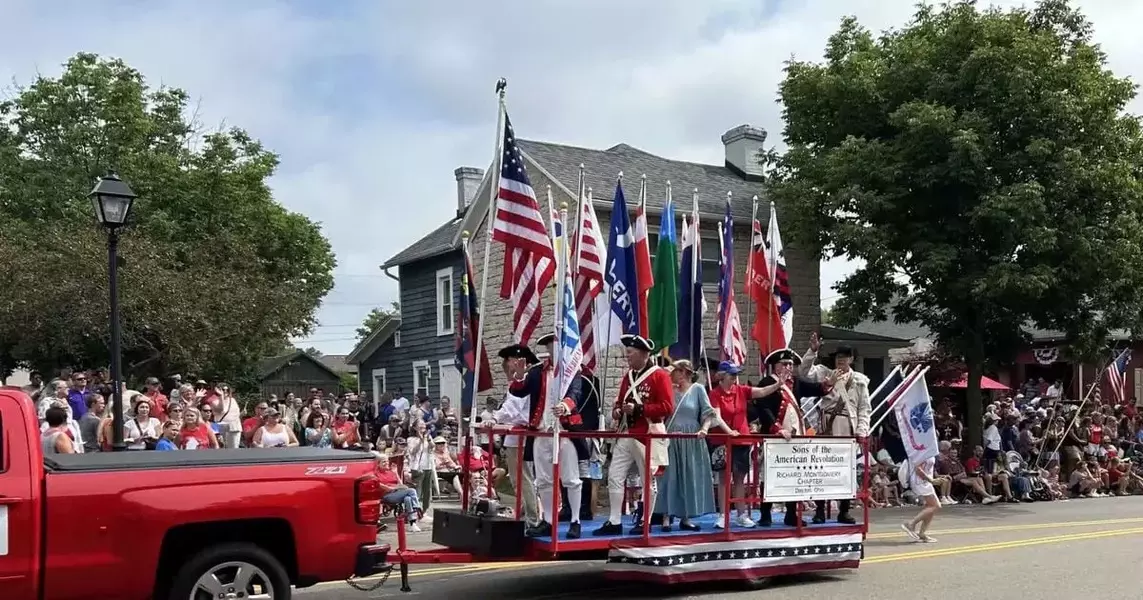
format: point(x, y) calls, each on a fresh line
point(557, 167)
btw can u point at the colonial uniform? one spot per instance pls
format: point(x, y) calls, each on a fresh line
point(515, 412)
point(539, 386)
point(585, 448)
point(775, 413)
point(845, 412)
point(650, 392)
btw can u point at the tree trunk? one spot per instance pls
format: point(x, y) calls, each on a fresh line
point(974, 406)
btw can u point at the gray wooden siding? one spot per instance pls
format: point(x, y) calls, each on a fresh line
point(419, 339)
point(298, 377)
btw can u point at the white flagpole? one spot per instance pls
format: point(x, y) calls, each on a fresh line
point(557, 348)
point(918, 374)
point(699, 328)
point(906, 373)
point(493, 191)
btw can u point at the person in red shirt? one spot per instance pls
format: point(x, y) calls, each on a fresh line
point(731, 401)
point(395, 492)
point(252, 423)
point(154, 393)
point(646, 400)
point(196, 434)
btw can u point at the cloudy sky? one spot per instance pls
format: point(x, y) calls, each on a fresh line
point(373, 103)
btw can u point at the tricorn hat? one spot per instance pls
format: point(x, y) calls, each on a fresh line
point(519, 351)
point(549, 338)
point(638, 342)
point(844, 351)
point(782, 354)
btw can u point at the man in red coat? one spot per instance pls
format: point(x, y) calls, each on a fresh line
point(646, 400)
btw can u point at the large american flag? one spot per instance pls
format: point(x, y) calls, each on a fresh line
point(529, 261)
point(730, 341)
point(590, 251)
point(1117, 377)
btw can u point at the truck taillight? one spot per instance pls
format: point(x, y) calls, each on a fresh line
point(367, 500)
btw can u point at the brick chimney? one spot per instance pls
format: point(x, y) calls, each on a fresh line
point(467, 184)
point(743, 143)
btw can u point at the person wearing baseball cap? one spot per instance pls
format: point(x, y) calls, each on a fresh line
point(731, 401)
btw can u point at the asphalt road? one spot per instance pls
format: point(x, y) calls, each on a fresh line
point(1075, 549)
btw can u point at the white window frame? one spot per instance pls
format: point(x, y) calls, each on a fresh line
point(397, 339)
point(445, 317)
point(377, 392)
point(418, 365)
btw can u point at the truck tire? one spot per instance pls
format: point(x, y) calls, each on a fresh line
point(239, 571)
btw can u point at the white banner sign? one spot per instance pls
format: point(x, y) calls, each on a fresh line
point(809, 469)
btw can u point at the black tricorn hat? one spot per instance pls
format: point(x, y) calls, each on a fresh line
point(548, 338)
point(782, 354)
point(844, 351)
point(519, 351)
point(638, 342)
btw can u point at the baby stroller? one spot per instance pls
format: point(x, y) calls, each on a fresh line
point(1018, 466)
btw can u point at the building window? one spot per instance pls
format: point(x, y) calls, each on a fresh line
point(397, 339)
point(444, 302)
point(380, 381)
point(710, 254)
point(422, 372)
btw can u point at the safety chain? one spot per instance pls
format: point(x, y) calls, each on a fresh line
point(352, 581)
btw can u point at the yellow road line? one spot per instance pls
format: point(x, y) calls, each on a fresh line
point(1055, 539)
point(498, 566)
point(1026, 527)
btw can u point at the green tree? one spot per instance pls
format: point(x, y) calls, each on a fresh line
point(376, 318)
point(828, 316)
point(981, 164)
point(214, 272)
point(314, 352)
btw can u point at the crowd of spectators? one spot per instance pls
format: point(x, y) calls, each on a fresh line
point(1037, 446)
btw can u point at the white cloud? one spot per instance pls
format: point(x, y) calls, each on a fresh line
point(372, 105)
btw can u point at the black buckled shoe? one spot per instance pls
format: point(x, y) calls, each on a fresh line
point(608, 528)
point(846, 519)
point(574, 531)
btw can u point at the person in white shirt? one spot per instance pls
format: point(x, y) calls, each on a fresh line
point(400, 403)
point(991, 442)
point(921, 482)
point(514, 413)
point(71, 425)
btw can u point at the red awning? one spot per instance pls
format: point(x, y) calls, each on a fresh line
point(986, 383)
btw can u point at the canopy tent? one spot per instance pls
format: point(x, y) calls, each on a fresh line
point(986, 383)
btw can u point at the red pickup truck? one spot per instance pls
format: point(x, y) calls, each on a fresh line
point(178, 525)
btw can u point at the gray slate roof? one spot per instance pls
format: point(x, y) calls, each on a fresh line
point(603, 166)
point(442, 239)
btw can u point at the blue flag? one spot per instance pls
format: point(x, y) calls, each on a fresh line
point(620, 269)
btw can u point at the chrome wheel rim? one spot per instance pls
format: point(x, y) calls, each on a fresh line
point(232, 581)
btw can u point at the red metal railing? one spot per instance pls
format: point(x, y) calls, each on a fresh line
point(750, 485)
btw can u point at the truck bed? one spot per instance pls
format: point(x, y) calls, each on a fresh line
point(135, 460)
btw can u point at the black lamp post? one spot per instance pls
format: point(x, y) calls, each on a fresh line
point(112, 199)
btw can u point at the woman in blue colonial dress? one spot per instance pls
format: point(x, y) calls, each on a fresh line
point(685, 490)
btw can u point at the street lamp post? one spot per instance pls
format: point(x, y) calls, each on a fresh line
point(112, 199)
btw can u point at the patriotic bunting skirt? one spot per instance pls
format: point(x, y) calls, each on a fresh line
point(737, 559)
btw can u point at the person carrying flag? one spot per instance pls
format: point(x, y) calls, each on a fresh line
point(845, 409)
point(545, 407)
point(646, 400)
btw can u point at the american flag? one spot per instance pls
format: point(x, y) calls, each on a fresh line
point(590, 251)
point(529, 261)
point(1117, 377)
point(730, 342)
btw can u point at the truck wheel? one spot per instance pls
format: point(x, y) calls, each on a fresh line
point(232, 571)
